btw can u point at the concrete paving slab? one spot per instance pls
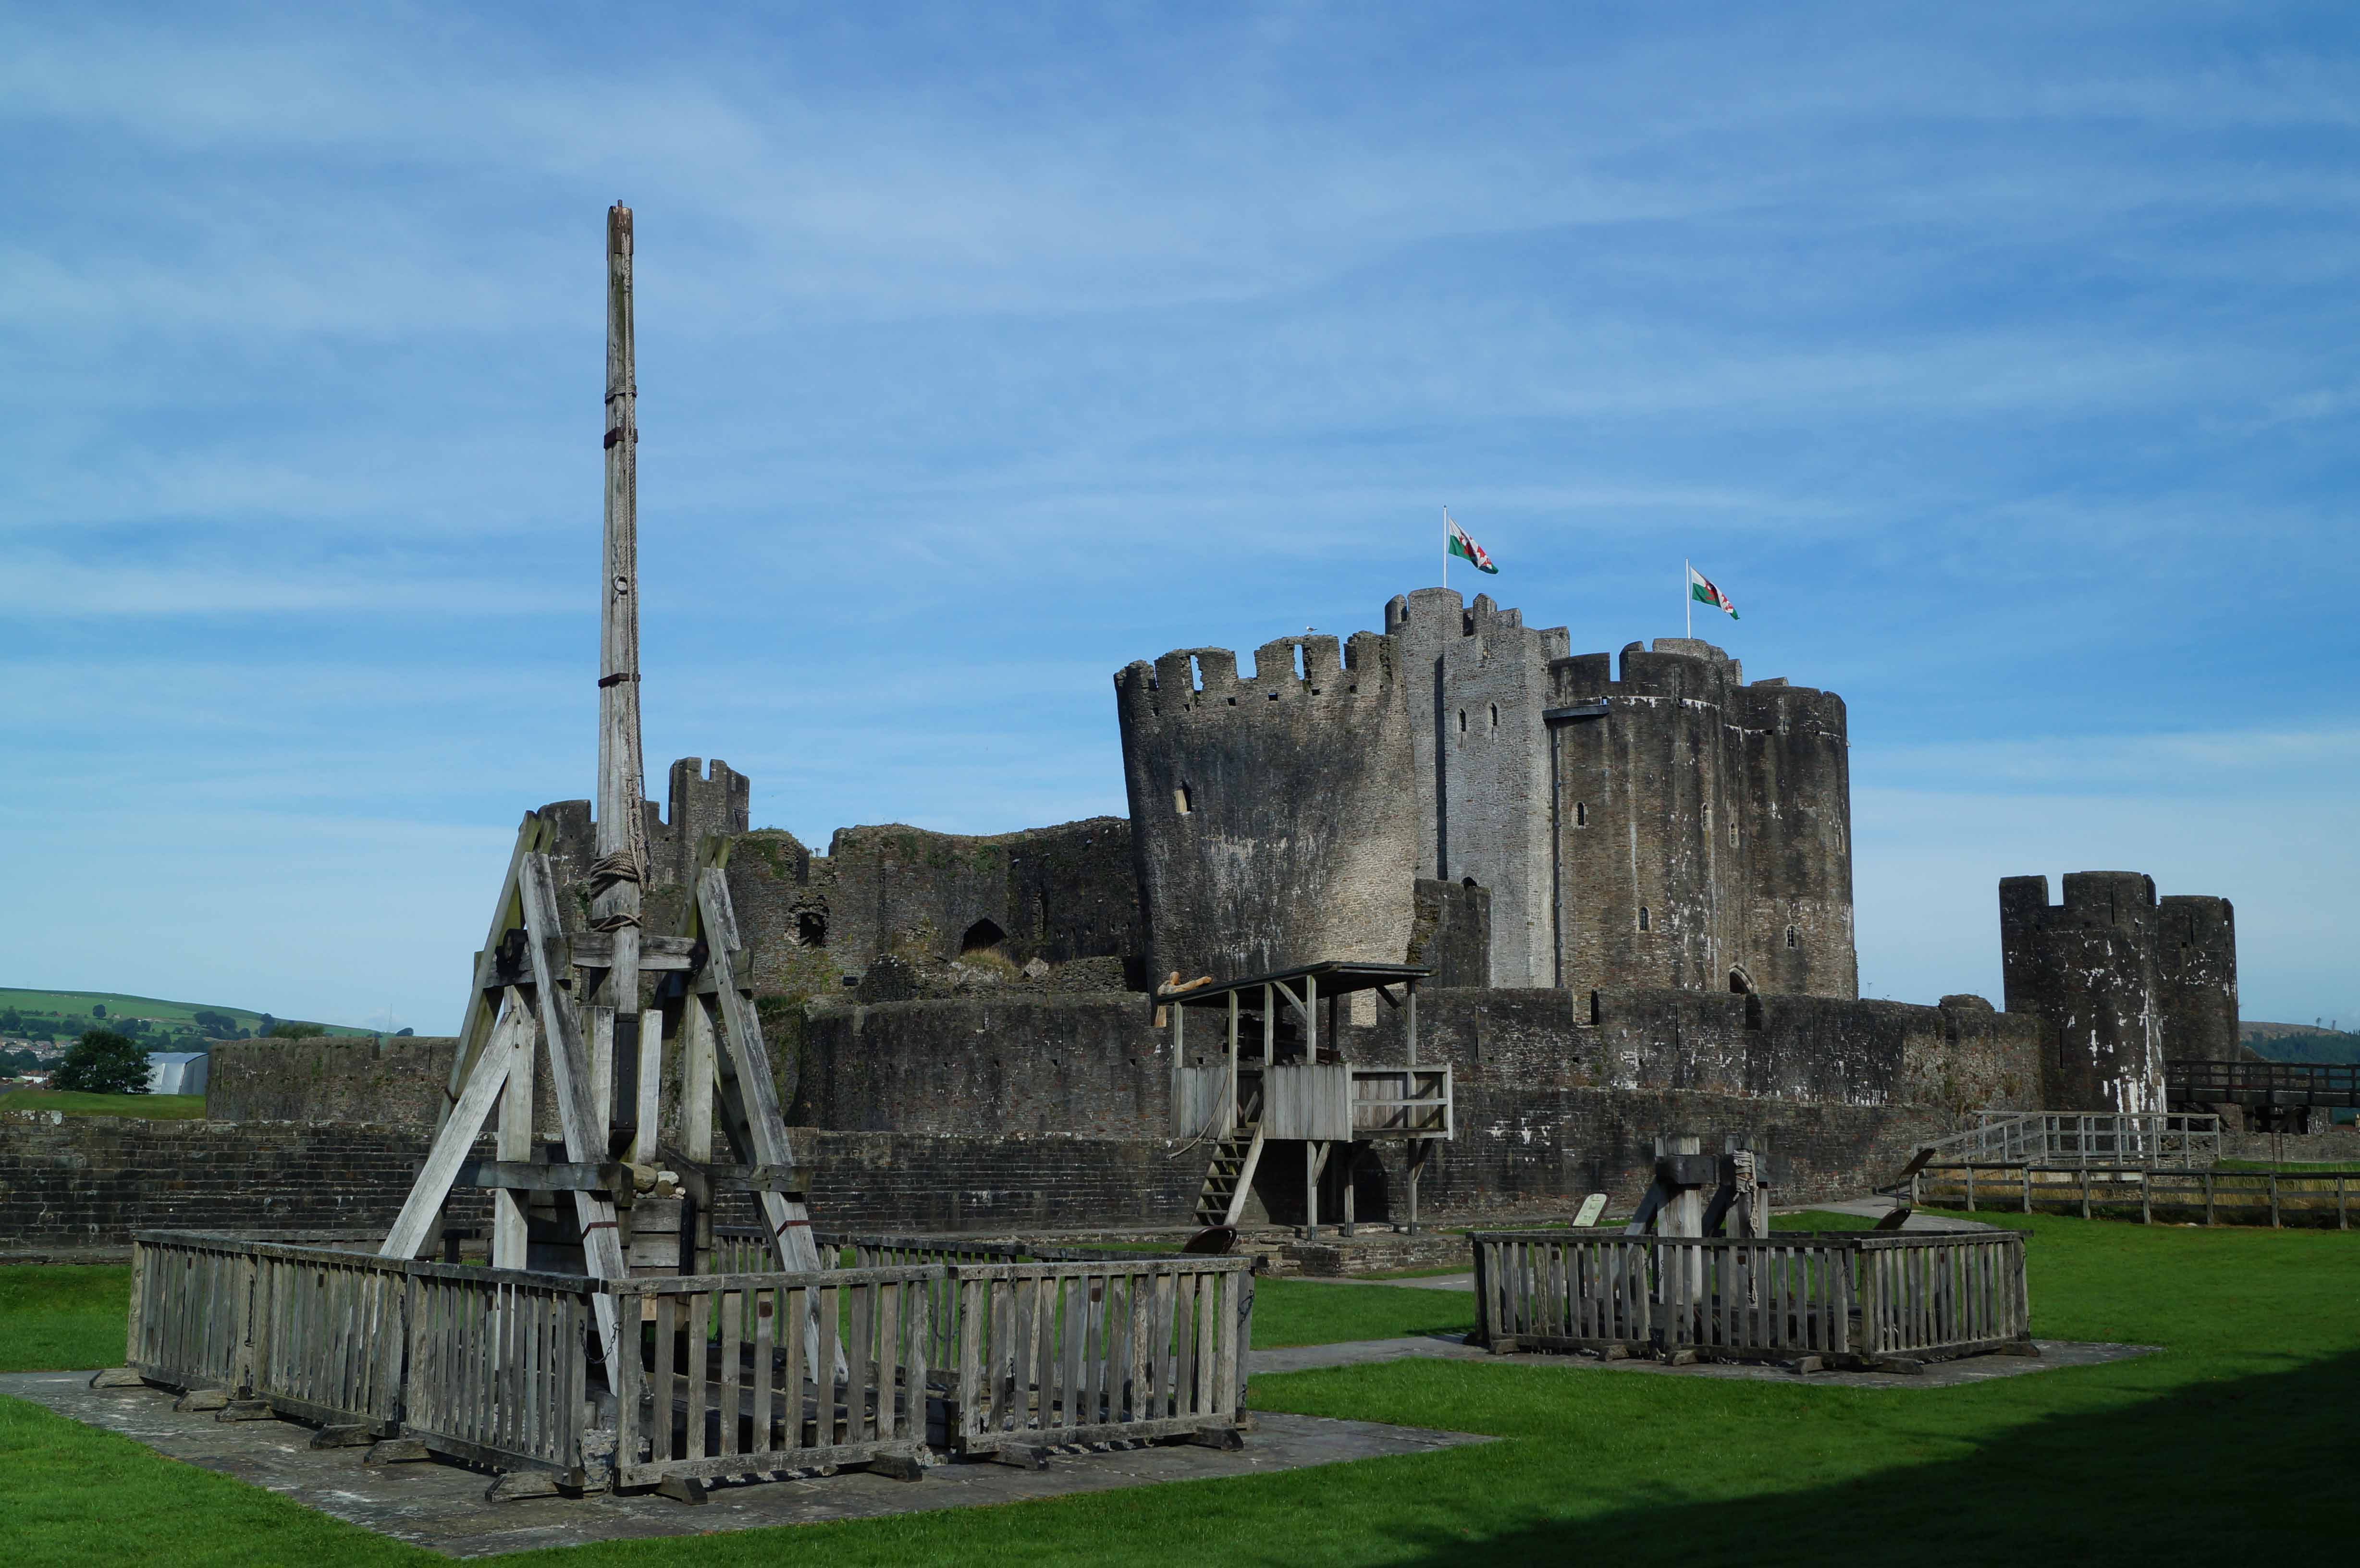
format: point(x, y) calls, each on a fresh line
point(2054, 1354)
point(442, 1507)
point(1422, 1283)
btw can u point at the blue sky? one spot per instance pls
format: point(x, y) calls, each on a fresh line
point(1996, 360)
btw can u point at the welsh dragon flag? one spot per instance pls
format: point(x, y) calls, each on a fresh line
point(1701, 590)
point(1466, 549)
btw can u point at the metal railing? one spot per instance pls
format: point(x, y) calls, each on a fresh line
point(2179, 1139)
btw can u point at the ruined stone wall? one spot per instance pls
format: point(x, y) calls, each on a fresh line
point(92, 1181)
point(1451, 933)
point(2088, 966)
point(1704, 826)
point(79, 1182)
point(1543, 1150)
point(1056, 894)
point(1955, 1059)
point(2196, 978)
point(331, 1078)
point(1088, 1065)
point(1274, 817)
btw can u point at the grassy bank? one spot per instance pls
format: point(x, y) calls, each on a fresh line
point(151, 1107)
point(2232, 1442)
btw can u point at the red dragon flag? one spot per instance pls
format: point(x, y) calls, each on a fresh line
point(1462, 547)
point(1702, 592)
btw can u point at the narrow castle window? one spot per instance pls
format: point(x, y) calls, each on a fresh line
point(1642, 917)
point(1183, 802)
point(1462, 720)
point(1793, 940)
point(810, 928)
point(1495, 715)
point(1732, 833)
point(1581, 813)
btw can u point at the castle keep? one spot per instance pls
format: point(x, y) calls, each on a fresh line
point(1674, 827)
point(1630, 874)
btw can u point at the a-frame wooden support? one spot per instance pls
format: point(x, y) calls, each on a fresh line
point(533, 983)
point(725, 1066)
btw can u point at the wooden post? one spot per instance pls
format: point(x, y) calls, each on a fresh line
point(515, 1139)
point(1410, 1005)
point(1269, 1034)
point(1310, 1188)
point(1349, 1208)
point(1419, 1149)
point(2274, 1200)
point(1229, 1101)
point(622, 863)
point(2208, 1197)
point(1970, 1188)
point(2028, 1188)
point(2085, 1190)
point(1310, 1019)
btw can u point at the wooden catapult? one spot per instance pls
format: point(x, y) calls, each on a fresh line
point(612, 1200)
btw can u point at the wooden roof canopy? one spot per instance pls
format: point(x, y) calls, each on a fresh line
point(1335, 977)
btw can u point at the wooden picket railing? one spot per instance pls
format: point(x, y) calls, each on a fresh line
point(1849, 1298)
point(191, 1299)
point(328, 1340)
point(749, 1374)
point(498, 1367)
point(741, 1374)
point(1059, 1353)
point(2273, 1197)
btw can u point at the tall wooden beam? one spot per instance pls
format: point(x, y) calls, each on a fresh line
point(622, 863)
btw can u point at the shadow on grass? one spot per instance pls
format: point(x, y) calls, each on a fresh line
point(2213, 1472)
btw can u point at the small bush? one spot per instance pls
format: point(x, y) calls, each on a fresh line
point(103, 1062)
point(296, 1032)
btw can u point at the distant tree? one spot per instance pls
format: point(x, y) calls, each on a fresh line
point(262, 1030)
point(220, 1026)
point(403, 1033)
point(98, 1009)
point(296, 1032)
point(103, 1062)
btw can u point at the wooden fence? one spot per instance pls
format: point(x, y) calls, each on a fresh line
point(1849, 1298)
point(496, 1370)
point(1058, 1353)
point(747, 1373)
point(752, 1373)
point(2232, 1197)
point(327, 1342)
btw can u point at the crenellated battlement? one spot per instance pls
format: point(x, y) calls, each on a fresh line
point(2092, 899)
point(1285, 670)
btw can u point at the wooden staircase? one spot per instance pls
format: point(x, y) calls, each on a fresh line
point(1229, 1178)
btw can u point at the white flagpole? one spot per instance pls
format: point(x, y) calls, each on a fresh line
point(1687, 596)
point(1446, 547)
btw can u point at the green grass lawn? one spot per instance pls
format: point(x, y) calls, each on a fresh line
point(2328, 1167)
point(2232, 1442)
point(154, 1108)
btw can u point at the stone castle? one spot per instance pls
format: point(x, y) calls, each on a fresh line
point(1632, 877)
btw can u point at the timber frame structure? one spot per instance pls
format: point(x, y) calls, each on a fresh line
point(577, 1003)
point(1299, 1088)
point(617, 1340)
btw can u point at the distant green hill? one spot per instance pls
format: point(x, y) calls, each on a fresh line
point(64, 1014)
point(2301, 1043)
